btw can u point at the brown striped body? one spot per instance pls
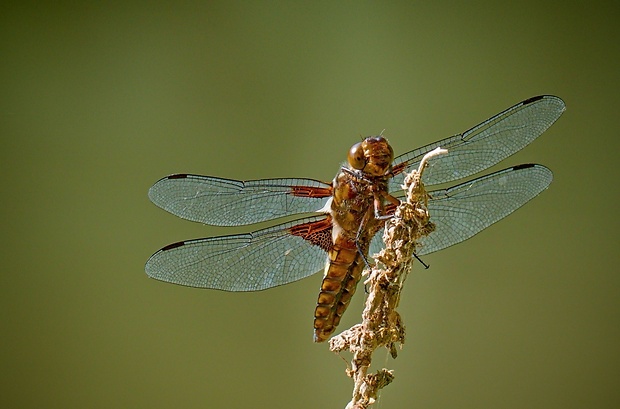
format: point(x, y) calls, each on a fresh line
point(357, 197)
point(342, 273)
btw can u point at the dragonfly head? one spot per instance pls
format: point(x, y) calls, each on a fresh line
point(373, 156)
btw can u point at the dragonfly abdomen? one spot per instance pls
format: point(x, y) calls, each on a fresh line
point(342, 273)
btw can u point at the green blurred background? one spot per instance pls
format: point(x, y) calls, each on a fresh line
point(98, 102)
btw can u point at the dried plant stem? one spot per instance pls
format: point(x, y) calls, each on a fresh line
point(381, 324)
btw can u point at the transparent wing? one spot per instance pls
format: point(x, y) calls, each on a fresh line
point(227, 202)
point(485, 144)
point(246, 262)
point(464, 210)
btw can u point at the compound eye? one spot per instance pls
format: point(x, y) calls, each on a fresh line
point(356, 157)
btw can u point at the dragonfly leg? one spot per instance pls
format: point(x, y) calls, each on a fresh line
point(379, 208)
point(362, 248)
point(426, 266)
point(378, 204)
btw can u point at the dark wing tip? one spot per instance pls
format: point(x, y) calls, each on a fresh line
point(177, 176)
point(524, 166)
point(173, 246)
point(533, 99)
point(555, 98)
point(542, 170)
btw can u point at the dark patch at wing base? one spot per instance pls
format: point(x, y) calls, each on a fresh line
point(319, 233)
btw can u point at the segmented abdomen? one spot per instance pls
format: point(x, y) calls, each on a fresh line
point(342, 273)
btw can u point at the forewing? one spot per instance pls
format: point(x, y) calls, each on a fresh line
point(228, 202)
point(484, 145)
point(246, 262)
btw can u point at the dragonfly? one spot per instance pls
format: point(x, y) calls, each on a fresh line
point(336, 225)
